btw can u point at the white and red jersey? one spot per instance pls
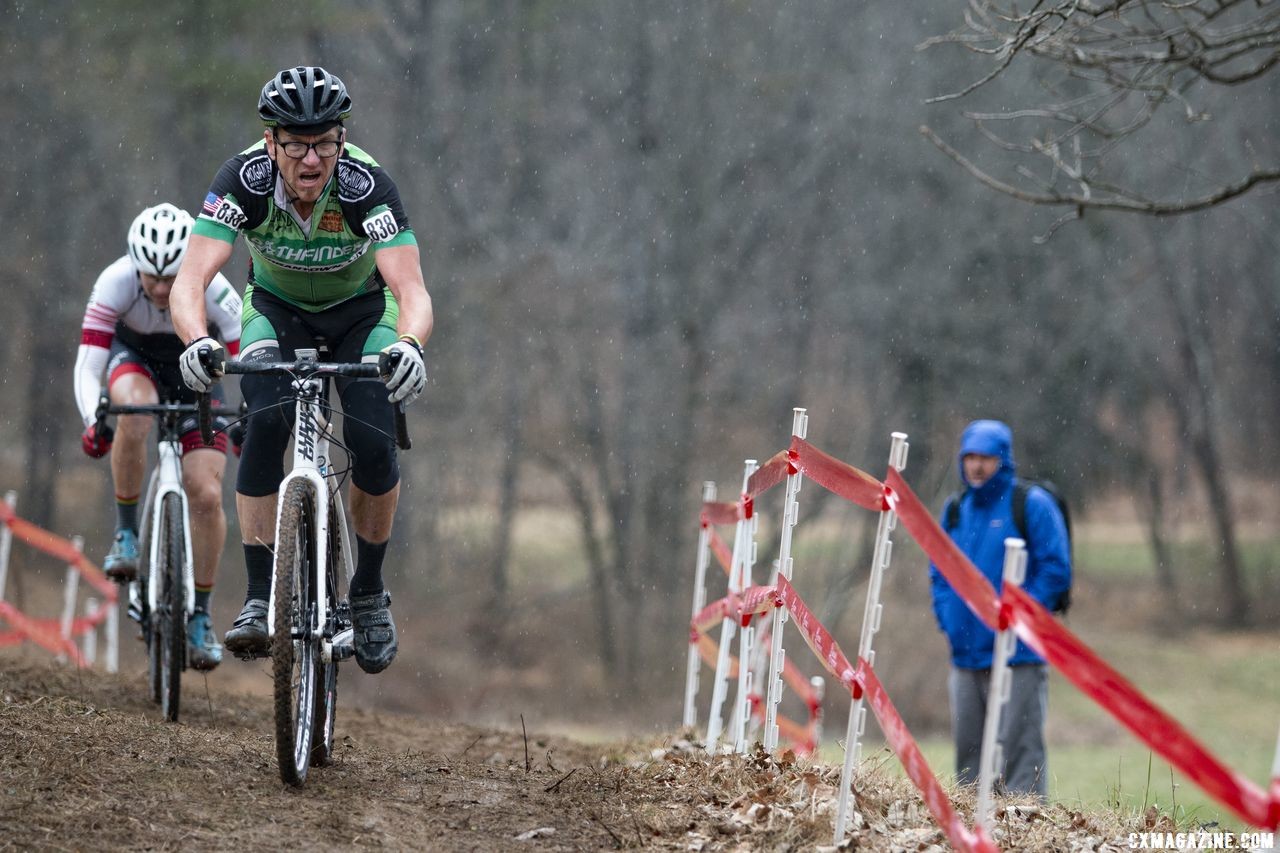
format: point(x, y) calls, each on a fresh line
point(118, 306)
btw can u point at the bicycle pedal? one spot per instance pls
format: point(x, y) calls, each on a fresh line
point(136, 610)
point(251, 656)
point(344, 645)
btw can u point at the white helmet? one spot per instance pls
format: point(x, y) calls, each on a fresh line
point(158, 239)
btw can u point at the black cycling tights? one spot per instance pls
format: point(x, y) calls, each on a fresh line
point(368, 433)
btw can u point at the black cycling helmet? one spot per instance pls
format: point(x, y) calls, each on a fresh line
point(306, 97)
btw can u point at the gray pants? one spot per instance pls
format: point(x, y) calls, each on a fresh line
point(1021, 726)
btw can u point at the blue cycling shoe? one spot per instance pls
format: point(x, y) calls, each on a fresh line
point(121, 563)
point(204, 652)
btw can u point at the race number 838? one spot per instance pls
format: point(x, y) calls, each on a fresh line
point(381, 227)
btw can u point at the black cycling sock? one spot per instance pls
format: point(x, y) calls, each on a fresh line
point(368, 576)
point(258, 562)
point(127, 513)
point(203, 594)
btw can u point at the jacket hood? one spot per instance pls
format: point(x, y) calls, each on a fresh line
point(989, 438)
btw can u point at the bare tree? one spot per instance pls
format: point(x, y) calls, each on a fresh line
point(1111, 74)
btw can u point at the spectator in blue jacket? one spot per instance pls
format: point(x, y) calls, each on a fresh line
point(984, 521)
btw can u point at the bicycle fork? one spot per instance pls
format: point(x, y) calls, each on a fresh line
point(169, 474)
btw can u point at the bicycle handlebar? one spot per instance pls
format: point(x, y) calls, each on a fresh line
point(201, 409)
point(303, 368)
point(165, 409)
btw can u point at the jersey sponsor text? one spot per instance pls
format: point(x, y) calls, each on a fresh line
point(331, 222)
point(354, 181)
point(256, 174)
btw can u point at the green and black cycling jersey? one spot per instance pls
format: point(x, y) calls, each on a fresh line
point(328, 258)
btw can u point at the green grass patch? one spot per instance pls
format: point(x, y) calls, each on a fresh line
point(1191, 558)
point(1219, 687)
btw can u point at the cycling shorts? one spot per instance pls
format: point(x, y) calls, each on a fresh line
point(352, 331)
point(166, 378)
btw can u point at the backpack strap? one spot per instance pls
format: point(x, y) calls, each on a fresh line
point(951, 512)
point(1021, 488)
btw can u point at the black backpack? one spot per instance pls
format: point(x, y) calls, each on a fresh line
point(951, 517)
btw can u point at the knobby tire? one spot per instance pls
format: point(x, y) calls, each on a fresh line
point(149, 625)
point(327, 673)
point(173, 607)
point(294, 661)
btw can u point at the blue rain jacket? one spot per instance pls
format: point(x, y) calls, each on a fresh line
point(985, 521)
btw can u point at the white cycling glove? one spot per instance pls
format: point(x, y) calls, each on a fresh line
point(408, 376)
point(198, 377)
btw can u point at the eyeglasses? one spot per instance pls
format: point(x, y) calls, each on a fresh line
point(297, 150)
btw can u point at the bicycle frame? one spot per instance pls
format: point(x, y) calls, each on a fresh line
point(305, 653)
point(311, 463)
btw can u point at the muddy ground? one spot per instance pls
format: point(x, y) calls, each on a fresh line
point(86, 763)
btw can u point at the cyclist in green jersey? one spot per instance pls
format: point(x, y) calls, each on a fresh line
point(335, 265)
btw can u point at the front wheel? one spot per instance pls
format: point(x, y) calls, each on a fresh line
point(171, 620)
point(295, 642)
point(150, 633)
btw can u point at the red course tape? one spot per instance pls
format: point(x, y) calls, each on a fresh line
point(719, 512)
point(819, 639)
point(56, 546)
point(904, 745)
point(41, 632)
point(837, 477)
point(768, 475)
point(724, 556)
point(1111, 690)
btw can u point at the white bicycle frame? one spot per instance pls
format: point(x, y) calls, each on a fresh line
point(311, 464)
point(167, 480)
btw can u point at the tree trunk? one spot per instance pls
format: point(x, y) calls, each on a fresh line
point(597, 564)
point(508, 486)
point(1196, 406)
point(1206, 452)
point(1166, 581)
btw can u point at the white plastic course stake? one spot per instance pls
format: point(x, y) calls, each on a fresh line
point(870, 625)
point(747, 634)
point(1015, 569)
point(777, 654)
point(69, 591)
point(728, 627)
point(89, 644)
point(760, 661)
point(1275, 765)
point(699, 602)
point(1275, 772)
point(6, 541)
point(746, 638)
point(818, 685)
point(113, 639)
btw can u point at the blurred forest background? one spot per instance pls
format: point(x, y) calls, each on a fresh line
point(651, 229)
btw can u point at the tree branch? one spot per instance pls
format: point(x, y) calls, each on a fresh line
point(1119, 200)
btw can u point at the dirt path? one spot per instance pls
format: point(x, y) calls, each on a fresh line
point(86, 763)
